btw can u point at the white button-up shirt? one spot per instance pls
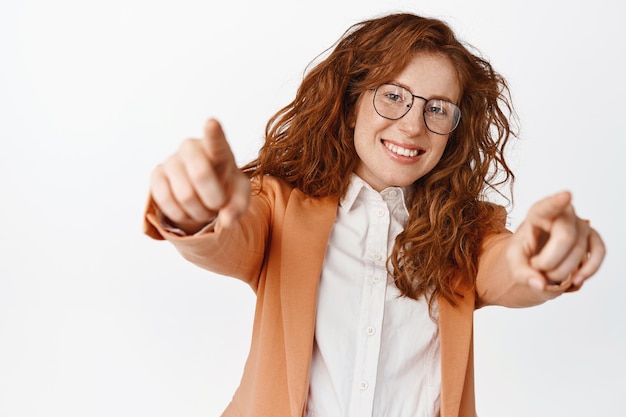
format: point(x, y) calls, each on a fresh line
point(375, 353)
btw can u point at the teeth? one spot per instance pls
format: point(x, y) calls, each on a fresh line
point(401, 151)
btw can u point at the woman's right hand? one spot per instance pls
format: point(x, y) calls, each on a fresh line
point(200, 182)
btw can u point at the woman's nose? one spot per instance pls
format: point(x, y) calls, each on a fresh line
point(412, 124)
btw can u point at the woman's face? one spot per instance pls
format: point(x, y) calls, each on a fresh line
point(399, 152)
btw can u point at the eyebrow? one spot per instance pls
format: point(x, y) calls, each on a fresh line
point(399, 84)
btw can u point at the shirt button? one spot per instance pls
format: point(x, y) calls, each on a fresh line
point(380, 212)
point(363, 385)
point(393, 193)
point(378, 256)
point(376, 279)
point(371, 331)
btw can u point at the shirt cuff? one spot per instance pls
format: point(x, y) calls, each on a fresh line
point(170, 227)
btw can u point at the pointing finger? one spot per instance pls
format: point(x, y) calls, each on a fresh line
point(567, 238)
point(216, 146)
point(545, 211)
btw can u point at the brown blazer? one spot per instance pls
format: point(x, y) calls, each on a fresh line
point(278, 248)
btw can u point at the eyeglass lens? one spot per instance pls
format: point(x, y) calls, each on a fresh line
point(393, 102)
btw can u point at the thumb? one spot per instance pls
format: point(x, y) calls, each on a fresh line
point(238, 202)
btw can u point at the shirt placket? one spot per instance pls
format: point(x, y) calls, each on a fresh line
point(372, 310)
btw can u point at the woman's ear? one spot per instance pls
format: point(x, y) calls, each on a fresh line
point(352, 114)
point(351, 120)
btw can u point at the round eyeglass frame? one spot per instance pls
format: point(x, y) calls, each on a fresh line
point(408, 109)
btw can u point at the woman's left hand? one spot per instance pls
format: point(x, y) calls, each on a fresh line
point(553, 246)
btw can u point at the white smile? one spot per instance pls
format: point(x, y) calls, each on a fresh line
point(399, 150)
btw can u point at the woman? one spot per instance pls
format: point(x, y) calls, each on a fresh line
point(363, 230)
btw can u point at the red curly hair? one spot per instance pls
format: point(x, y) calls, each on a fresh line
point(309, 144)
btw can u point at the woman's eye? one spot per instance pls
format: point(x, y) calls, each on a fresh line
point(435, 109)
point(394, 97)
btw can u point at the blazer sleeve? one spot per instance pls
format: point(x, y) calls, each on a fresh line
point(238, 251)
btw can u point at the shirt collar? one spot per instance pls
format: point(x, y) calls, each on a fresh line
point(358, 185)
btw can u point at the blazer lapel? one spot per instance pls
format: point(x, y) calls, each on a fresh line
point(306, 229)
point(455, 330)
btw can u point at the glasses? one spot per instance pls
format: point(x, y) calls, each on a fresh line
point(394, 102)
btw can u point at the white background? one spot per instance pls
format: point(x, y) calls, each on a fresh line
point(98, 320)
